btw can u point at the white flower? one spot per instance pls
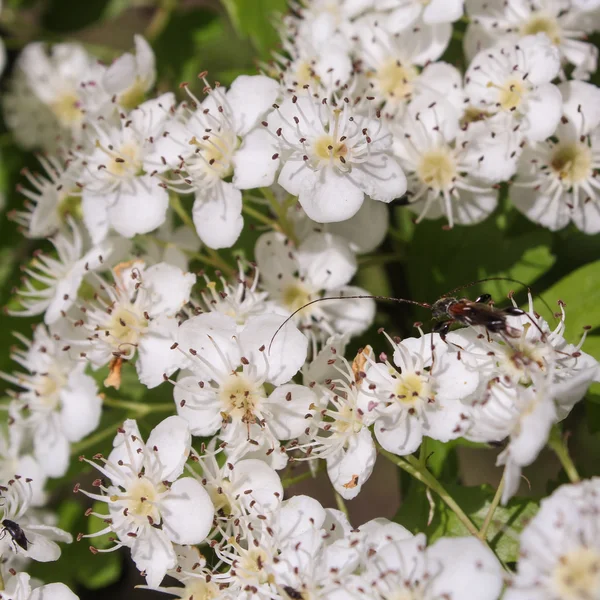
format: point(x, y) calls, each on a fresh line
point(136, 314)
point(557, 179)
point(201, 146)
point(339, 433)
point(364, 232)
point(57, 403)
point(131, 76)
point(391, 67)
point(458, 568)
point(240, 300)
point(18, 587)
point(55, 280)
point(565, 24)
point(425, 395)
point(62, 84)
point(119, 189)
point(150, 506)
point(321, 266)
point(442, 162)
point(53, 199)
point(40, 539)
point(514, 79)
point(226, 390)
point(560, 547)
point(331, 156)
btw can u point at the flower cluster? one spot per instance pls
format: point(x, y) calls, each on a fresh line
point(355, 111)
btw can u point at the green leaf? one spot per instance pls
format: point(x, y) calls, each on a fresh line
point(504, 530)
point(581, 293)
point(254, 18)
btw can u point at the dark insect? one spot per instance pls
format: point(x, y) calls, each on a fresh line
point(16, 533)
point(449, 310)
point(292, 593)
point(467, 312)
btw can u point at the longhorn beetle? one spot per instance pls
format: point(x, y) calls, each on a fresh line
point(449, 310)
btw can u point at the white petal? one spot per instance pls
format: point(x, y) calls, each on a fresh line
point(156, 357)
point(300, 514)
point(581, 106)
point(169, 446)
point(289, 406)
point(469, 569)
point(153, 553)
point(169, 288)
point(144, 57)
point(40, 547)
point(402, 437)
point(50, 436)
point(95, 216)
point(276, 258)
point(120, 74)
point(328, 197)
point(200, 408)
point(140, 208)
point(351, 316)
point(254, 165)
point(53, 591)
point(249, 98)
point(258, 476)
point(540, 57)
point(218, 217)
point(187, 512)
point(544, 109)
point(326, 261)
point(350, 469)
point(285, 353)
point(81, 406)
point(443, 11)
point(381, 179)
point(128, 448)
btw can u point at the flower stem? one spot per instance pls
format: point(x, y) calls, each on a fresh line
point(177, 206)
point(255, 214)
point(490, 514)
point(93, 440)
point(137, 407)
point(160, 19)
point(416, 469)
point(558, 444)
point(302, 477)
point(341, 504)
point(281, 210)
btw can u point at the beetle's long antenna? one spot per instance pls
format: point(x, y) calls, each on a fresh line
point(360, 297)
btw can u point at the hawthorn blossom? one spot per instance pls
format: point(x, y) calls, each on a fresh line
point(557, 178)
point(222, 391)
point(399, 67)
point(53, 199)
point(41, 546)
point(513, 79)
point(330, 154)
point(565, 23)
point(321, 266)
point(460, 567)
point(151, 507)
point(18, 587)
point(131, 75)
point(57, 403)
point(443, 164)
point(201, 147)
point(53, 91)
point(424, 392)
point(119, 189)
point(560, 548)
point(136, 314)
point(55, 281)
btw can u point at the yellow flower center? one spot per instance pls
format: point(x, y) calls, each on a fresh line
point(140, 499)
point(411, 388)
point(66, 109)
point(126, 161)
point(48, 389)
point(572, 163)
point(395, 81)
point(437, 169)
point(201, 589)
point(326, 148)
point(511, 94)
point(134, 95)
point(295, 296)
point(126, 325)
point(69, 205)
point(304, 73)
point(540, 22)
point(253, 563)
point(577, 575)
point(240, 398)
point(216, 151)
